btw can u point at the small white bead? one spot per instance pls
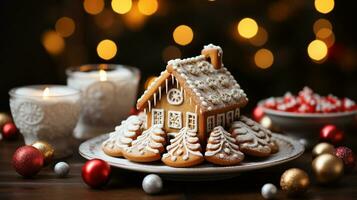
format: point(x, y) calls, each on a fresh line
point(269, 191)
point(152, 184)
point(61, 169)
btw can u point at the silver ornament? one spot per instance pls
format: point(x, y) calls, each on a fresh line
point(269, 191)
point(61, 169)
point(152, 184)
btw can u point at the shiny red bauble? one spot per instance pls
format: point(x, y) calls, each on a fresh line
point(330, 133)
point(133, 111)
point(95, 173)
point(27, 161)
point(347, 156)
point(9, 131)
point(258, 113)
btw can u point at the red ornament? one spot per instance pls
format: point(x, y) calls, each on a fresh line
point(95, 173)
point(330, 133)
point(133, 111)
point(258, 113)
point(346, 154)
point(9, 131)
point(27, 161)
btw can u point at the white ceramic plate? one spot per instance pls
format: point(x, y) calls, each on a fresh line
point(289, 149)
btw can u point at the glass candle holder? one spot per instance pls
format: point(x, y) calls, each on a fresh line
point(48, 113)
point(108, 94)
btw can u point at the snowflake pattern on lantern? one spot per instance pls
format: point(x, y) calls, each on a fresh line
point(175, 119)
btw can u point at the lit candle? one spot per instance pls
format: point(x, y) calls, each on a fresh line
point(108, 94)
point(46, 112)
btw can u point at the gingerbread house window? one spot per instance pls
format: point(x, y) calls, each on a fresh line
point(237, 113)
point(229, 117)
point(175, 97)
point(191, 121)
point(221, 119)
point(210, 123)
point(157, 117)
point(174, 119)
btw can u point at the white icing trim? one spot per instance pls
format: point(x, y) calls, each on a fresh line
point(194, 115)
point(229, 117)
point(237, 114)
point(153, 113)
point(171, 123)
point(221, 119)
point(210, 123)
point(170, 99)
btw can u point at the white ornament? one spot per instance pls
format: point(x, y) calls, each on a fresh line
point(61, 169)
point(175, 97)
point(269, 191)
point(152, 184)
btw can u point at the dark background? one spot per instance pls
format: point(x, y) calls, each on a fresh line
point(24, 60)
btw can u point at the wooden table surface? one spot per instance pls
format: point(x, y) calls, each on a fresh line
point(127, 185)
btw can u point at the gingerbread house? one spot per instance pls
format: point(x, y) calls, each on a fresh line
point(198, 93)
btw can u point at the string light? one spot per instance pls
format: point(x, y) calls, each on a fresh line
point(65, 26)
point(247, 28)
point(106, 49)
point(263, 58)
point(317, 50)
point(148, 7)
point(183, 35)
point(171, 52)
point(121, 6)
point(320, 24)
point(324, 6)
point(93, 7)
point(53, 42)
point(260, 38)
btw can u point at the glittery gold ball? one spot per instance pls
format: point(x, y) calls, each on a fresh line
point(46, 149)
point(327, 168)
point(294, 181)
point(4, 118)
point(322, 148)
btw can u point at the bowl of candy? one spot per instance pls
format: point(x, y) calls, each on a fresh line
point(302, 116)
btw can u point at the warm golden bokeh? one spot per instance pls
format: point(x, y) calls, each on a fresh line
point(148, 7)
point(107, 49)
point(317, 50)
point(53, 42)
point(171, 52)
point(134, 19)
point(93, 7)
point(263, 58)
point(321, 23)
point(324, 6)
point(247, 28)
point(121, 6)
point(183, 35)
point(65, 26)
point(260, 38)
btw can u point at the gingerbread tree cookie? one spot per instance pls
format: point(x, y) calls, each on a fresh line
point(250, 139)
point(148, 146)
point(222, 148)
point(184, 150)
point(123, 136)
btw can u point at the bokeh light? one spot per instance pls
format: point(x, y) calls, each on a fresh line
point(93, 7)
point(105, 19)
point(148, 7)
point(247, 28)
point(171, 52)
point(317, 50)
point(53, 42)
point(321, 23)
point(260, 38)
point(134, 19)
point(65, 26)
point(183, 35)
point(121, 6)
point(324, 6)
point(106, 49)
point(263, 58)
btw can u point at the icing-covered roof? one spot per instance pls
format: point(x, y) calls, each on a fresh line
point(209, 87)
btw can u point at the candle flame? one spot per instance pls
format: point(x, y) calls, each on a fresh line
point(46, 92)
point(102, 75)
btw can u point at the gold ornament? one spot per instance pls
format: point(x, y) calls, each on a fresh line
point(46, 149)
point(322, 148)
point(294, 181)
point(4, 118)
point(327, 168)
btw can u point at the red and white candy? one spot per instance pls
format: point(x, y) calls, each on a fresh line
point(309, 102)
